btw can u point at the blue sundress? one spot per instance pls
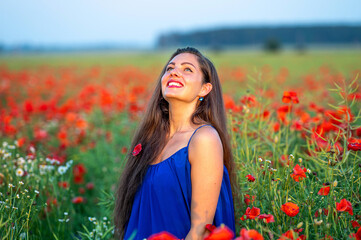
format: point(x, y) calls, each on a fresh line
point(163, 201)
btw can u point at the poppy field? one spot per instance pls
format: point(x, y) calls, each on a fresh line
point(294, 120)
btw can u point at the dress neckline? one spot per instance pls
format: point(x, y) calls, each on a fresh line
point(182, 147)
point(168, 157)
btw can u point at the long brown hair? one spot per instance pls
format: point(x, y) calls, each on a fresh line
point(153, 131)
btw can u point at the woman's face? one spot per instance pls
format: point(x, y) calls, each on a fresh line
point(183, 78)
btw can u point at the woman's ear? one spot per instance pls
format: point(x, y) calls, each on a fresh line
point(206, 88)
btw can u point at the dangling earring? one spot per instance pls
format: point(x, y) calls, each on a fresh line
point(201, 99)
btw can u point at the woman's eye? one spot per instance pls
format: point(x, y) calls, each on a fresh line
point(168, 68)
point(188, 69)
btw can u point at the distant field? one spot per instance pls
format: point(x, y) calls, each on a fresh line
point(310, 61)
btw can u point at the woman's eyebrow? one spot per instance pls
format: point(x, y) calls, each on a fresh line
point(183, 63)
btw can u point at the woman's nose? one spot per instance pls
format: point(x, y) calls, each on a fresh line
point(174, 71)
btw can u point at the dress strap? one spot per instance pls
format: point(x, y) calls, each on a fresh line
point(196, 131)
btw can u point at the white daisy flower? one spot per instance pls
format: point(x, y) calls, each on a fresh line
point(19, 172)
point(62, 170)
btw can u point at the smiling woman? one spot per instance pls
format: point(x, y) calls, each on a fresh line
point(182, 177)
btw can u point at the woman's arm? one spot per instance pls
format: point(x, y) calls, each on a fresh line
point(206, 158)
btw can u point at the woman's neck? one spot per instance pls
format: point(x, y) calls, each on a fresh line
point(180, 115)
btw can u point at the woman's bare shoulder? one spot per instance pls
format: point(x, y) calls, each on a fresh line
point(205, 143)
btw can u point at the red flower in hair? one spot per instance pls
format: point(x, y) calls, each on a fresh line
point(137, 149)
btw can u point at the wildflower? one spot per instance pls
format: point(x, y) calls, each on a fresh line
point(79, 171)
point(252, 213)
point(220, 233)
point(318, 222)
point(356, 235)
point(19, 172)
point(210, 227)
point(324, 191)
point(10, 185)
point(250, 178)
point(36, 191)
point(63, 184)
point(20, 161)
point(290, 209)
point(162, 236)
point(92, 219)
point(344, 206)
point(290, 96)
point(335, 183)
point(21, 183)
point(90, 186)
point(268, 217)
point(298, 173)
point(77, 200)
point(247, 199)
point(62, 170)
point(355, 224)
point(66, 213)
point(137, 149)
point(292, 234)
point(260, 159)
point(249, 234)
point(354, 146)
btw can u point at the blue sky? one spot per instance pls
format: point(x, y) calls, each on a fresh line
point(77, 22)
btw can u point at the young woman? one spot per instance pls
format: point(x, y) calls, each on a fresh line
point(182, 179)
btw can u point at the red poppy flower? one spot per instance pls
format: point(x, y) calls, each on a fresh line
point(290, 209)
point(250, 178)
point(354, 146)
point(344, 206)
point(290, 96)
point(210, 227)
point(358, 234)
point(355, 224)
point(293, 235)
point(252, 213)
point(249, 235)
point(162, 236)
point(63, 184)
point(220, 233)
point(90, 185)
point(77, 200)
point(248, 200)
point(324, 191)
point(137, 149)
point(269, 217)
point(298, 173)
